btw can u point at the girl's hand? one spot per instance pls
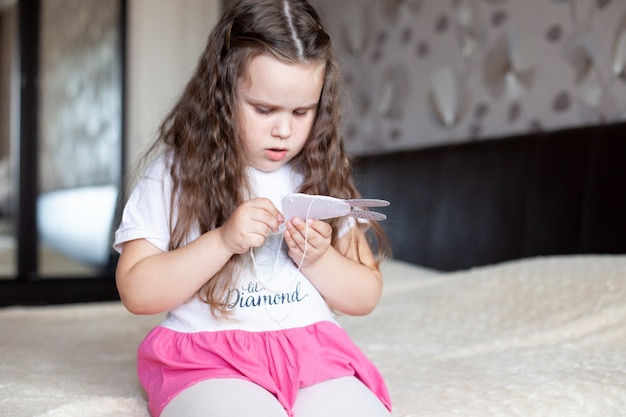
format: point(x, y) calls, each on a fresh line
point(250, 224)
point(307, 241)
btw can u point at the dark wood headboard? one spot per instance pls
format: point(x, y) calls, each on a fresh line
point(458, 206)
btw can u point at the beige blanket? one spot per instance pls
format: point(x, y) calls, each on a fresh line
point(535, 338)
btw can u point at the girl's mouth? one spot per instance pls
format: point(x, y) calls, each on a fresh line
point(276, 154)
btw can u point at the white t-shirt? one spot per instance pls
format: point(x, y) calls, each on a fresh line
point(273, 295)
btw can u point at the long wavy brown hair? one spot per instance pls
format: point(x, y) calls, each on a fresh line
point(202, 131)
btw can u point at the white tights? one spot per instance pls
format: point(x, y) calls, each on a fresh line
point(232, 397)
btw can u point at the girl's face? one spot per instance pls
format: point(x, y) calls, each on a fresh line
point(277, 107)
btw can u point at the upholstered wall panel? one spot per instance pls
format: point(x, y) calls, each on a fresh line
point(463, 205)
point(605, 229)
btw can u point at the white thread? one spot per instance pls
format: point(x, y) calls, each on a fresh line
point(306, 235)
point(280, 245)
point(256, 268)
point(266, 283)
point(292, 28)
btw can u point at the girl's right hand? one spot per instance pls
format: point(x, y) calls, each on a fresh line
point(150, 280)
point(250, 224)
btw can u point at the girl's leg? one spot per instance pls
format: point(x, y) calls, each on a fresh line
point(224, 397)
point(339, 398)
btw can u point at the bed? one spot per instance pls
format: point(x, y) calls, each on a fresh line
point(488, 309)
point(538, 337)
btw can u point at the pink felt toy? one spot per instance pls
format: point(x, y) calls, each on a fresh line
point(306, 206)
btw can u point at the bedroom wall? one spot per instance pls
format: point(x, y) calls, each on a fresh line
point(165, 38)
point(425, 72)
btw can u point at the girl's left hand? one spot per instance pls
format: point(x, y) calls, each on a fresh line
point(309, 240)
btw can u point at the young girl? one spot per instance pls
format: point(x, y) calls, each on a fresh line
point(250, 295)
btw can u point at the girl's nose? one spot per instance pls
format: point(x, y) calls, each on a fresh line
point(282, 127)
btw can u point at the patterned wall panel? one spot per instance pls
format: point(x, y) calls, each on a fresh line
point(428, 72)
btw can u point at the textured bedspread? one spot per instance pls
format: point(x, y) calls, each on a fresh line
point(534, 338)
point(540, 337)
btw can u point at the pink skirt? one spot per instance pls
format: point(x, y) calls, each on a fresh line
point(280, 361)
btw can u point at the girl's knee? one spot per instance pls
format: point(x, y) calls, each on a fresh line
point(223, 397)
point(339, 397)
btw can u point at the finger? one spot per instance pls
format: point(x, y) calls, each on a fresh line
point(298, 229)
point(315, 233)
point(272, 221)
point(293, 236)
point(266, 221)
point(293, 249)
point(291, 243)
point(321, 227)
point(267, 205)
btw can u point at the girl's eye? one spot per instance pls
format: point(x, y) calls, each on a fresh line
point(263, 110)
point(300, 112)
